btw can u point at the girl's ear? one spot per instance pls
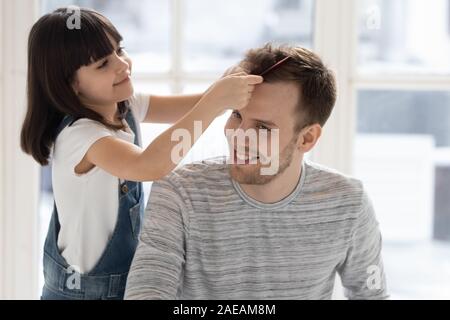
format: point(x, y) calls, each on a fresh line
point(76, 86)
point(308, 137)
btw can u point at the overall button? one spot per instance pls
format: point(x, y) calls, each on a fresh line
point(125, 188)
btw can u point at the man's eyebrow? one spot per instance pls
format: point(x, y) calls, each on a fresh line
point(270, 123)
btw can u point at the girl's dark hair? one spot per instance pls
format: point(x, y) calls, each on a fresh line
point(55, 53)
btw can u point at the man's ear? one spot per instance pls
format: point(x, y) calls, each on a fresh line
point(308, 137)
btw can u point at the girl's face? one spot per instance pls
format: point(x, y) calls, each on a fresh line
point(106, 81)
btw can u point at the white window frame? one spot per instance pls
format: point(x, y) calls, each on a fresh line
point(176, 76)
point(335, 41)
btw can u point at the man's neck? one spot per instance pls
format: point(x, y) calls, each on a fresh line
point(279, 188)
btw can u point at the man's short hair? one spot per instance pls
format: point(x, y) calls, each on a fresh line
point(316, 83)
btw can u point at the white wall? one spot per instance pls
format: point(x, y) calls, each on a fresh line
point(1, 159)
point(19, 184)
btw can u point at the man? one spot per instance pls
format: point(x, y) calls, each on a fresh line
point(215, 230)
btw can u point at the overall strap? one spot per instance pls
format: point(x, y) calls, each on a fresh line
point(66, 121)
point(132, 123)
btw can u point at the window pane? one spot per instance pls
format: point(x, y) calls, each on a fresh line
point(218, 39)
point(144, 25)
point(404, 36)
point(402, 154)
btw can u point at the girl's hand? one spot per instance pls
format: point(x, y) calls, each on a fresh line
point(232, 92)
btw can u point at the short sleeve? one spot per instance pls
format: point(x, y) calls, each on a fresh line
point(74, 141)
point(139, 104)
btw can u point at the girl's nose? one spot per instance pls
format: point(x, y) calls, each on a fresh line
point(122, 64)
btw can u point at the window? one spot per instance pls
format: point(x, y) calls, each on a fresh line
point(212, 42)
point(150, 49)
point(402, 144)
point(404, 36)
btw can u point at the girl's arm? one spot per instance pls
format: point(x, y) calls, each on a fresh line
point(129, 162)
point(170, 109)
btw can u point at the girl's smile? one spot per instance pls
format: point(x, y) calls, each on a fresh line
point(123, 81)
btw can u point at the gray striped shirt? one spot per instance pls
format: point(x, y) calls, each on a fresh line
point(204, 238)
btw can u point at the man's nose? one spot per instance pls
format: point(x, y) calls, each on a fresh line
point(244, 126)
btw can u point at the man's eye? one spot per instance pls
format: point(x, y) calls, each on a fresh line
point(263, 127)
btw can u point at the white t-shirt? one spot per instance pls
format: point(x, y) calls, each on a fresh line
point(87, 204)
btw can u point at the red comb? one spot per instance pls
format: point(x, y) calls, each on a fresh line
point(276, 65)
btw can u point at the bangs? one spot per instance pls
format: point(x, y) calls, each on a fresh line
point(90, 43)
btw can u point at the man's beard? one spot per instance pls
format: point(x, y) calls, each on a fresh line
point(251, 174)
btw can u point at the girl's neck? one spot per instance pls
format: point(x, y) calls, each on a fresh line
point(108, 112)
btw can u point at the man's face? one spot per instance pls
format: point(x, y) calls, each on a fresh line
point(273, 106)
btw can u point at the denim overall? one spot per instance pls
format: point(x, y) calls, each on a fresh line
point(107, 280)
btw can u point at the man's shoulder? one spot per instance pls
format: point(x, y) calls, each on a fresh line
point(321, 178)
point(335, 193)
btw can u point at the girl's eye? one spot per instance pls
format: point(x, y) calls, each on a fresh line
point(104, 63)
point(121, 50)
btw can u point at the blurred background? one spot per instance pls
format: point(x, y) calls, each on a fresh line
point(391, 126)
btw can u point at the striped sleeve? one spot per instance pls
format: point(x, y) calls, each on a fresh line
point(157, 265)
point(362, 272)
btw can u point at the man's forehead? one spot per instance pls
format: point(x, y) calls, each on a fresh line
point(271, 101)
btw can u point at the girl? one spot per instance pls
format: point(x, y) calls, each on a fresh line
point(83, 114)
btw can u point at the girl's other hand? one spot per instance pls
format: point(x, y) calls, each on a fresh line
point(233, 91)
